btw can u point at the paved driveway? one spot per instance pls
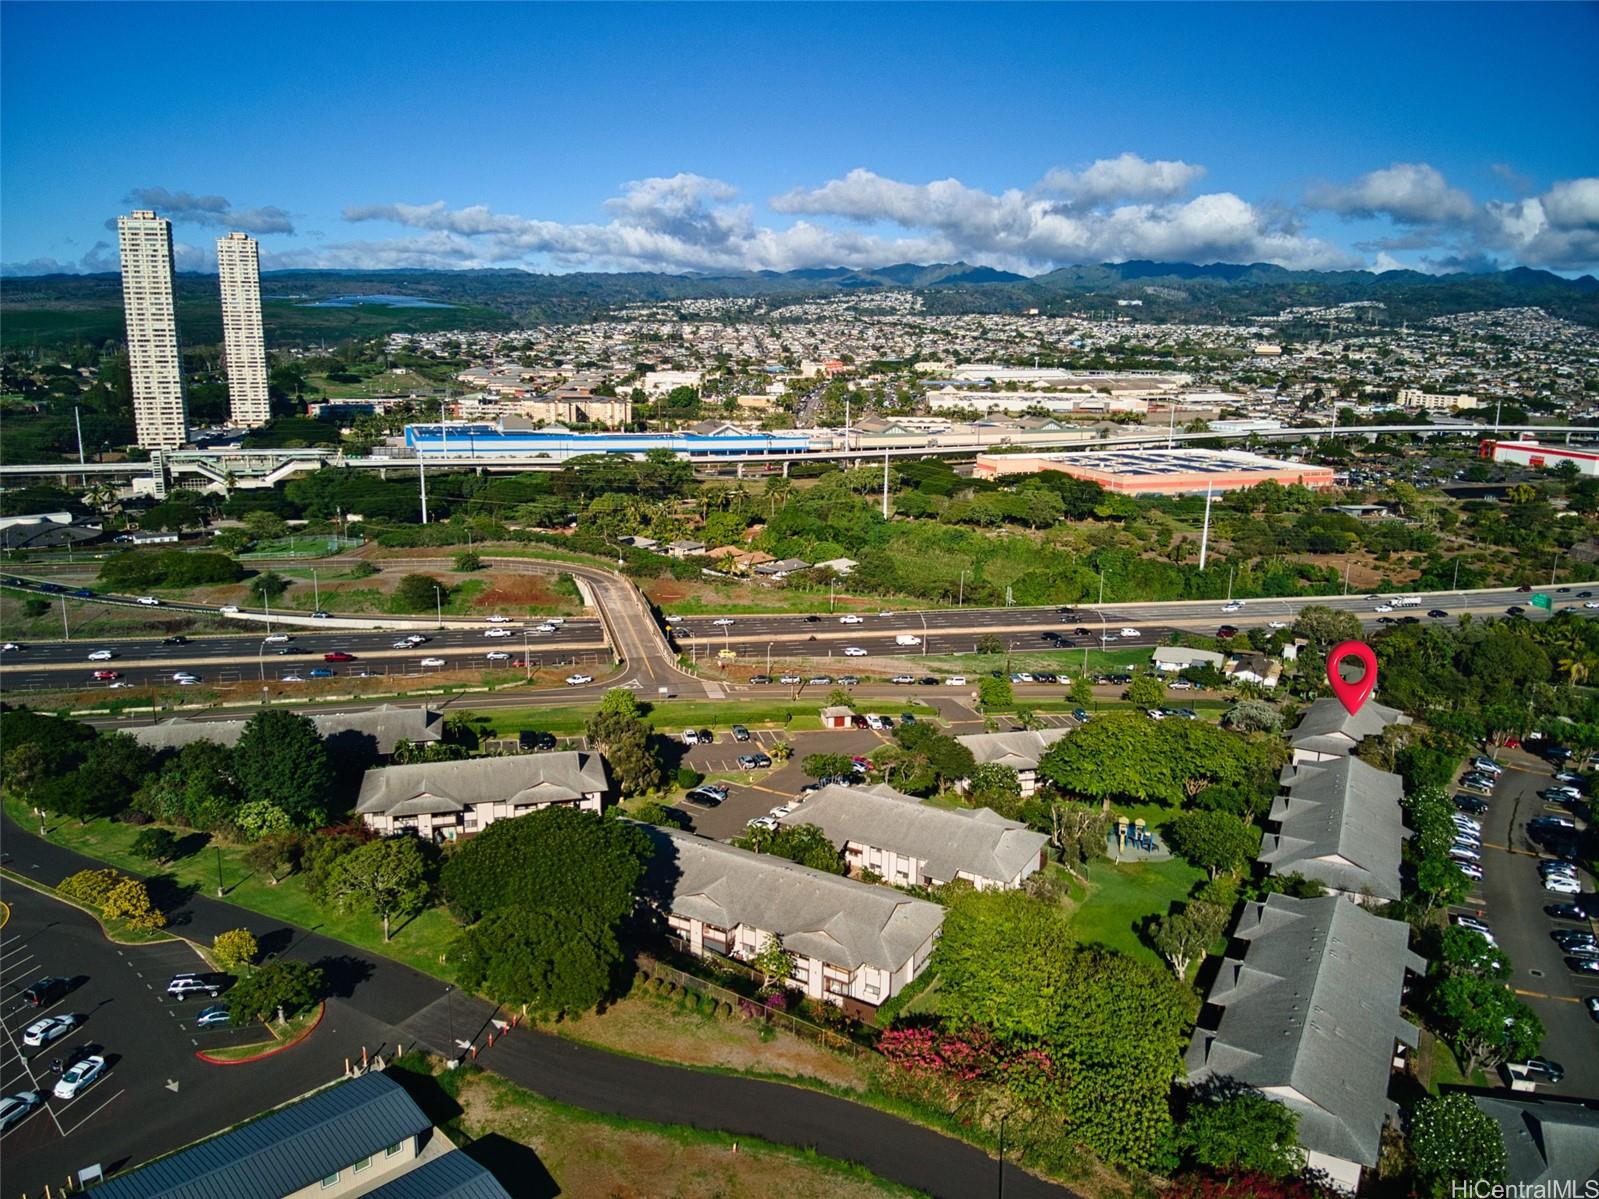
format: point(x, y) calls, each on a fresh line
point(1511, 898)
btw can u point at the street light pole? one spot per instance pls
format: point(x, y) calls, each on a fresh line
point(260, 659)
point(220, 891)
point(438, 605)
point(1000, 1187)
point(316, 592)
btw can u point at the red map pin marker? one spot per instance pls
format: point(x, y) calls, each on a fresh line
point(1352, 695)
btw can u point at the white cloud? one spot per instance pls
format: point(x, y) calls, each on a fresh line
point(1125, 177)
point(183, 207)
point(1408, 193)
point(1558, 230)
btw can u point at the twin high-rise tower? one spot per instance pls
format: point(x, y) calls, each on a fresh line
point(160, 415)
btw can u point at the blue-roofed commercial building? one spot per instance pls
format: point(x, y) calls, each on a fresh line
point(364, 1136)
point(467, 439)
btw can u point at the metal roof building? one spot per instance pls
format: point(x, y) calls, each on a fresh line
point(453, 1176)
point(324, 1136)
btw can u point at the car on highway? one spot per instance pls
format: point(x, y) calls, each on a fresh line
point(1226, 631)
point(756, 761)
point(338, 655)
point(722, 622)
point(1276, 624)
point(292, 678)
point(851, 618)
point(418, 639)
point(549, 626)
point(184, 679)
point(813, 619)
point(228, 609)
point(80, 1077)
point(740, 733)
point(1129, 632)
point(1232, 606)
point(319, 614)
point(277, 638)
point(431, 662)
point(210, 1017)
point(497, 655)
point(10, 647)
point(1383, 608)
point(179, 639)
point(14, 1109)
point(498, 618)
point(149, 601)
point(577, 680)
point(1515, 610)
point(400, 644)
point(289, 651)
point(41, 1032)
point(101, 655)
point(1437, 613)
point(497, 632)
point(105, 676)
point(319, 672)
point(854, 651)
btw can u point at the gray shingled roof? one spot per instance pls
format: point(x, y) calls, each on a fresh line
point(950, 840)
point(1546, 1139)
point(1338, 822)
point(1327, 727)
point(290, 1148)
point(1019, 750)
point(1311, 1011)
point(452, 1176)
point(386, 725)
point(562, 777)
point(820, 915)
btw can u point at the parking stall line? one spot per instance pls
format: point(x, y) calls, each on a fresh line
point(33, 1080)
point(93, 1114)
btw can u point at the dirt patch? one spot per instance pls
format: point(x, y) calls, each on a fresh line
point(657, 1028)
point(507, 591)
point(590, 1156)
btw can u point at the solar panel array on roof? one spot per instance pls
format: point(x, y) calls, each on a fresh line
point(284, 1151)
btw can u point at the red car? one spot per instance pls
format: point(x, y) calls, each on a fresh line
point(338, 655)
point(107, 675)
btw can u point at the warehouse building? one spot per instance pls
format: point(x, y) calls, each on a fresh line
point(1530, 453)
point(1161, 472)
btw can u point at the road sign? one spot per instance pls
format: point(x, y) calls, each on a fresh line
point(1544, 601)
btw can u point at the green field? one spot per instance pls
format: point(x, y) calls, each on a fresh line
point(1119, 898)
point(667, 718)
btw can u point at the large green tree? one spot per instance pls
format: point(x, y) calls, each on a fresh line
point(1452, 1140)
point(1218, 841)
point(280, 988)
point(1235, 1128)
point(280, 759)
point(392, 877)
point(803, 843)
point(196, 788)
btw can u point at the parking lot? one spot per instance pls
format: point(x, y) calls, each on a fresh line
point(1511, 899)
point(155, 1094)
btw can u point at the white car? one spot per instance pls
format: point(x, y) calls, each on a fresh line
point(873, 720)
point(887, 614)
point(854, 651)
point(80, 1077)
point(416, 639)
point(1277, 624)
point(431, 662)
point(10, 647)
point(782, 810)
point(185, 680)
point(1155, 714)
point(548, 626)
point(955, 680)
point(1129, 632)
point(1471, 870)
point(691, 737)
point(1232, 606)
point(557, 621)
point(101, 655)
point(577, 680)
point(277, 638)
point(401, 644)
point(851, 619)
point(149, 601)
point(1591, 604)
point(292, 678)
point(496, 632)
point(766, 822)
point(1562, 884)
point(722, 621)
point(497, 655)
point(41, 1032)
point(228, 609)
point(1384, 608)
point(498, 619)
point(15, 1108)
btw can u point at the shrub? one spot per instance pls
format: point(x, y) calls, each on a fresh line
point(235, 949)
point(688, 777)
point(129, 901)
point(90, 886)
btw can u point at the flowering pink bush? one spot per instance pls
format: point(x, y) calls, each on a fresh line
point(966, 1056)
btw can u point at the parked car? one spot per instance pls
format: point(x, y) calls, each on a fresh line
point(756, 761)
point(740, 733)
point(210, 1017)
point(819, 680)
point(760, 680)
point(1542, 1069)
point(904, 680)
point(790, 680)
point(702, 798)
point(1566, 911)
point(14, 1109)
point(41, 1032)
point(184, 985)
point(80, 1077)
point(955, 680)
point(45, 991)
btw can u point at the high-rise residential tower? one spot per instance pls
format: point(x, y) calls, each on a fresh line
point(160, 418)
point(239, 268)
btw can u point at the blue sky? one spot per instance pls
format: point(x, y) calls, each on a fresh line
point(688, 137)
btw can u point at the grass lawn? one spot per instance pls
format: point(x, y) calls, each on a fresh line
point(420, 943)
point(1119, 898)
point(679, 598)
point(291, 1030)
point(88, 620)
point(590, 1154)
point(1067, 661)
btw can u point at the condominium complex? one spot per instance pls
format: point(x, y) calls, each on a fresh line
point(239, 269)
point(160, 418)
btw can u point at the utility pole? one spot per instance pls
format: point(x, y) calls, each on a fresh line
point(1204, 536)
point(885, 484)
point(1171, 432)
point(65, 635)
point(438, 605)
point(78, 421)
point(960, 601)
point(316, 592)
point(422, 474)
point(1230, 570)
